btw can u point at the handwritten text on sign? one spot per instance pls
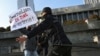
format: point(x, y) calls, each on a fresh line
point(22, 18)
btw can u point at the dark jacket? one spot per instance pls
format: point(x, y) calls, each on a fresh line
point(31, 43)
point(43, 39)
point(50, 23)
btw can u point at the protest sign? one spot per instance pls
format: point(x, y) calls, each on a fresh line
point(22, 18)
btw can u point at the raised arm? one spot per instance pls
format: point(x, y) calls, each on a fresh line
point(41, 27)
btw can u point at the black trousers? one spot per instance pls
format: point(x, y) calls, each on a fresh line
point(60, 51)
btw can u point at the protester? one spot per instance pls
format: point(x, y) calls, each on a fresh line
point(43, 44)
point(58, 34)
point(30, 45)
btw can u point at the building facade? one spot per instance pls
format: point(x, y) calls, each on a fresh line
point(76, 13)
point(80, 12)
point(23, 3)
point(91, 1)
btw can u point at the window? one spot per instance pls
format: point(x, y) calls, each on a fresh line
point(64, 16)
point(75, 16)
point(90, 12)
point(96, 12)
point(80, 14)
point(59, 18)
point(69, 17)
point(85, 14)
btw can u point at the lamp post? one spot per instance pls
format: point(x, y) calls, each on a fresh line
point(26, 2)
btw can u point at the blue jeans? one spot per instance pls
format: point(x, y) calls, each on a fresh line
point(30, 53)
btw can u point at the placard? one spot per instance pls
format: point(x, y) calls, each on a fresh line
point(22, 18)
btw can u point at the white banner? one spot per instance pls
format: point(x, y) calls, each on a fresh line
point(22, 18)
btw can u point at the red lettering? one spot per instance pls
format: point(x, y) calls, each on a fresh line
point(23, 15)
point(16, 19)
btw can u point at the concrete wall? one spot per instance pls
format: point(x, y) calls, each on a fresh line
point(86, 52)
point(8, 45)
point(80, 35)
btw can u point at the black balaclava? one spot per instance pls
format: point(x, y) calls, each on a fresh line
point(47, 10)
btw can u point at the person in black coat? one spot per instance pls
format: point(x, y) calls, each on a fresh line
point(57, 33)
point(30, 45)
point(43, 44)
